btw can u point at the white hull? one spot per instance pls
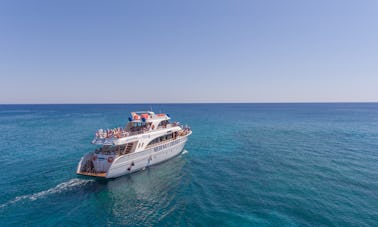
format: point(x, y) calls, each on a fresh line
point(137, 161)
point(133, 162)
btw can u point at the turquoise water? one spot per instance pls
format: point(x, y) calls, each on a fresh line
point(245, 164)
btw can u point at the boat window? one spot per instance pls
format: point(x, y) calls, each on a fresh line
point(160, 139)
point(117, 150)
point(163, 123)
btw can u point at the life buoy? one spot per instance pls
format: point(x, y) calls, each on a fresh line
point(110, 159)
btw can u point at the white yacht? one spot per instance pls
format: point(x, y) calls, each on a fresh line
point(147, 139)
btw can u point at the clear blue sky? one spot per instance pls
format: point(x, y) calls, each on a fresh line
point(188, 51)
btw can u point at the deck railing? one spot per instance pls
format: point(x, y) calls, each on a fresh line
point(121, 133)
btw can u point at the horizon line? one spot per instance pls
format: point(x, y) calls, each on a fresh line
point(172, 103)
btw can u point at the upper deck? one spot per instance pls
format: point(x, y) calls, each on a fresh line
point(142, 122)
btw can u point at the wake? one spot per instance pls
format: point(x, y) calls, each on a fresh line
point(184, 152)
point(62, 187)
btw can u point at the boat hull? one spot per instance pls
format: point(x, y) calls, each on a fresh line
point(133, 162)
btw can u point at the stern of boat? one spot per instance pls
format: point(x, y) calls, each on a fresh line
point(95, 165)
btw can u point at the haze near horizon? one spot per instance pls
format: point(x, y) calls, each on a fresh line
point(193, 51)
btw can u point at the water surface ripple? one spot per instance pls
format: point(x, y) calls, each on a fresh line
point(245, 164)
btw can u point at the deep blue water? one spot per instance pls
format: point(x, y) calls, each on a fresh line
point(245, 164)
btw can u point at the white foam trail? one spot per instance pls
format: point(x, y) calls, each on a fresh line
point(62, 187)
point(185, 151)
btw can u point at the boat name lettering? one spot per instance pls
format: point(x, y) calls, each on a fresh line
point(164, 146)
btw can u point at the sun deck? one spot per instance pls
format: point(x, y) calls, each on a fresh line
point(108, 136)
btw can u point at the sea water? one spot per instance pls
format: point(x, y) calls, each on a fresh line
point(244, 165)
